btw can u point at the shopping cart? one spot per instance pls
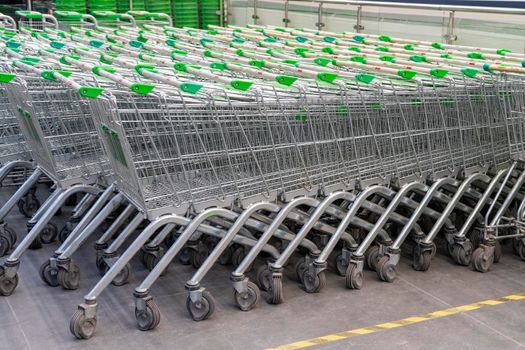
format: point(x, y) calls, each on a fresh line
point(35, 20)
point(69, 19)
point(55, 120)
point(149, 18)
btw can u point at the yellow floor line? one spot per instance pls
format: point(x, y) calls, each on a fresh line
point(399, 323)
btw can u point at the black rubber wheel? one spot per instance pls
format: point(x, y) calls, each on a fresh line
point(203, 309)
point(36, 244)
point(10, 235)
point(372, 257)
point(247, 300)
point(120, 279)
point(498, 252)
point(275, 292)
point(69, 279)
point(385, 270)
point(82, 327)
point(516, 245)
point(421, 262)
point(150, 260)
point(480, 262)
point(49, 233)
point(263, 278)
point(313, 283)
point(476, 237)
point(199, 256)
point(49, 275)
point(149, 318)
point(28, 205)
point(226, 256)
point(64, 233)
point(185, 256)
point(5, 245)
point(7, 285)
point(340, 264)
point(300, 266)
point(237, 256)
point(521, 249)
point(354, 277)
point(462, 253)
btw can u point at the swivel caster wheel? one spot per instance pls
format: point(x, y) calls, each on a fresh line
point(385, 270)
point(203, 309)
point(238, 256)
point(462, 253)
point(480, 261)
point(520, 248)
point(185, 256)
point(312, 282)
point(10, 235)
point(150, 260)
point(498, 252)
point(275, 290)
point(36, 244)
point(69, 279)
point(64, 233)
point(49, 233)
point(372, 257)
point(421, 261)
point(354, 277)
point(5, 245)
point(7, 284)
point(28, 205)
point(299, 268)
point(226, 256)
point(247, 300)
point(48, 274)
point(82, 327)
point(199, 256)
point(149, 318)
point(263, 278)
point(120, 279)
point(340, 264)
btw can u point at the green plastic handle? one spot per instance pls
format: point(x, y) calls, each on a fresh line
point(140, 67)
point(256, 63)
point(470, 72)
point(406, 74)
point(107, 14)
point(142, 89)
point(475, 55)
point(242, 85)
point(385, 38)
point(328, 50)
point(29, 14)
point(6, 77)
point(68, 14)
point(97, 69)
point(322, 61)
point(388, 59)
point(90, 92)
point(285, 80)
point(327, 77)
point(365, 78)
point(50, 74)
point(438, 73)
point(190, 88)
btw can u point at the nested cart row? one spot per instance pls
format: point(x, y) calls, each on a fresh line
point(266, 148)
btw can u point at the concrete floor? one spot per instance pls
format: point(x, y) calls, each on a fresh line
point(37, 316)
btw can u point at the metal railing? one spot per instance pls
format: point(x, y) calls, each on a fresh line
point(449, 36)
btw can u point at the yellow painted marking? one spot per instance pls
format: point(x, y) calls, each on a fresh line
point(399, 323)
point(491, 302)
point(515, 297)
point(389, 325)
